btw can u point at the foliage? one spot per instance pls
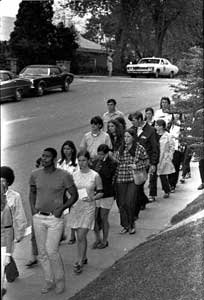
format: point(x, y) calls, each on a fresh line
point(35, 40)
point(189, 99)
point(138, 28)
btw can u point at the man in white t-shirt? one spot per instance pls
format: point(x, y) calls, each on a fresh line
point(112, 112)
point(94, 138)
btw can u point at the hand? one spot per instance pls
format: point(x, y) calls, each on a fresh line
point(58, 212)
point(7, 260)
point(152, 169)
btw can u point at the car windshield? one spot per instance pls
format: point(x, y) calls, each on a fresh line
point(35, 71)
point(149, 61)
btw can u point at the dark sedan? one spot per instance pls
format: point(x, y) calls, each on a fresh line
point(46, 77)
point(12, 87)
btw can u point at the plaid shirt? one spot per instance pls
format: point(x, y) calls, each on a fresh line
point(124, 172)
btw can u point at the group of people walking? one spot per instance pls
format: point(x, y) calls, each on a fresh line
point(78, 190)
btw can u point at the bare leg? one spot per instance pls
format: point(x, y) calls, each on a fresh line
point(81, 244)
point(105, 224)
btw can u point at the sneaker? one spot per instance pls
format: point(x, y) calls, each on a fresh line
point(132, 231)
point(152, 199)
point(201, 187)
point(182, 180)
point(166, 195)
point(172, 189)
point(31, 263)
point(124, 230)
point(49, 285)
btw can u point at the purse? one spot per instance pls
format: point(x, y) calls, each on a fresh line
point(140, 176)
point(11, 271)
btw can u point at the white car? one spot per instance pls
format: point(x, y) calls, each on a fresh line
point(152, 66)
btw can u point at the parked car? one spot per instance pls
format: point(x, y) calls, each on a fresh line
point(12, 87)
point(152, 66)
point(46, 77)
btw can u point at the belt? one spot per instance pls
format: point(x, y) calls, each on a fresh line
point(9, 226)
point(45, 213)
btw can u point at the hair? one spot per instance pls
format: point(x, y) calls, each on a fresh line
point(149, 109)
point(103, 148)
point(97, 120)
point(136, 115)
point(52, 151)
point(161, 122)
point(38, 162)
point(111, 101)
point(85, 153)
point(8, 174)
point(121, 120)
point(165, 98)
point(73, 155)
point(132, 150)
point(116, 142)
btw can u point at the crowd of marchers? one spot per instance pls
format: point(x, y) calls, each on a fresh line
point(73, 194)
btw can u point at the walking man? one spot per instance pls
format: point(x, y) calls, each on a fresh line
point(48, 186)
point(112, 112)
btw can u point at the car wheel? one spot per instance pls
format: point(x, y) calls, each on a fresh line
point(65, 86)
point(157, 74)
point(40, 90)
point(171, 75)
point(18, 95)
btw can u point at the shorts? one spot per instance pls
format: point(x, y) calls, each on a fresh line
point(106, 203)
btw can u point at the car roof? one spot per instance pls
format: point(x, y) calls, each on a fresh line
point(42, 66)
point(153, 57)
point(5, 71)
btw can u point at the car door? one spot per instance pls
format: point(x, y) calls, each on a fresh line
point(162, 67)
point(55, 75)
point(168, 67)
point(7, 85)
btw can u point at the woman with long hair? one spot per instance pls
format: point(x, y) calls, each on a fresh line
point(115, 131)
point(68, 162)
point(131, 157)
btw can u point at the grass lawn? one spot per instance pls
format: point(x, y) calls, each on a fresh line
point(168, 267)
point(192, 208)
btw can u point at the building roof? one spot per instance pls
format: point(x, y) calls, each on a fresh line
point(89, 46)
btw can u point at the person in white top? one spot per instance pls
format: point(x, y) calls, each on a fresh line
point(69, 163)
point(164, 112)
point(92, 139)
point(112, 112)
point(110, 64)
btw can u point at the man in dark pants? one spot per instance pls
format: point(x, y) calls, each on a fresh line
point(147, 137)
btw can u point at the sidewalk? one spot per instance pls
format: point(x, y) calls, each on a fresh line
point(151, 221)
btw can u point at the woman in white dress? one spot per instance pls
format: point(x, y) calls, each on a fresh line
point(82, 215)
point(164, 112)
point(69, 163)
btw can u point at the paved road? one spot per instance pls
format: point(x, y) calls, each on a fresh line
point(35, 123)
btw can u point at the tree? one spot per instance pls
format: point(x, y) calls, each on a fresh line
point(189, 99)
point(32, 36)
point(36, 40)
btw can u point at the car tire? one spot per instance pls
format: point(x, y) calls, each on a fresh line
point(40, 90)
point(157, 74)
point(18, 95)
point(171, 75)
point(65, 86)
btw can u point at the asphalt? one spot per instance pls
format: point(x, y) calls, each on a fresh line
point(154, 219)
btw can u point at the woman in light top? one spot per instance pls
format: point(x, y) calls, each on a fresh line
point(69, 163)
point(164, 112)
point(82, 215)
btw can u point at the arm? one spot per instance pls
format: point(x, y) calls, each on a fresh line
point(32, 199)
point(71, 196)
point(19, 218)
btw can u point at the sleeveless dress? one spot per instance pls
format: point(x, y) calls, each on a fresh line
point(82, 215)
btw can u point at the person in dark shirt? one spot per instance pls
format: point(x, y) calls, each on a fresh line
point(106, 166)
